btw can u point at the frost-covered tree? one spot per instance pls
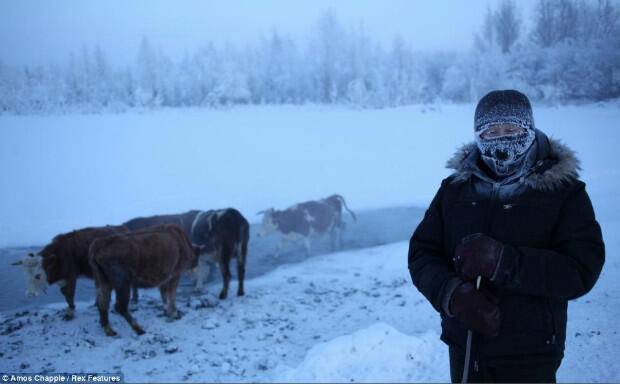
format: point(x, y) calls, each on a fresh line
point(485, 39)
point(555, 21)
point(147, 80)
point(507, 25)
point(328, 48)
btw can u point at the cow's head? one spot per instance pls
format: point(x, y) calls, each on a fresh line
point(36, 278)
point(268, 224)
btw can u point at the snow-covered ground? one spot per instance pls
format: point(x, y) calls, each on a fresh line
point(352, 315)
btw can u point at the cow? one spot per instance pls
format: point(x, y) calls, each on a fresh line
point(152, 257)
point(62, 261)
point(221, 235)
point(303, 220)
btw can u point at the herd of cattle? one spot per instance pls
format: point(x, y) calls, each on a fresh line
point(156, 251)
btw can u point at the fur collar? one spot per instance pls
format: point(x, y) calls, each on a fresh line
point(556, 164)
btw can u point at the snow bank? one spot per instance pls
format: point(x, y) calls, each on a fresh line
point(378, 353)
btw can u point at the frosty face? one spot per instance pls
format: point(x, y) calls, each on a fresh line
point(36, 279)
point(502, 147)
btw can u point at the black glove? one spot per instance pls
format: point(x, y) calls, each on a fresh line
point(477, 257)
point(475, 310)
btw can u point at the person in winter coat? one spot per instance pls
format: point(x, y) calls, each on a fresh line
point(515, 217)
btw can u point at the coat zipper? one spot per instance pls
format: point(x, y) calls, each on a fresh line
point(493, 200)
point(494, 193)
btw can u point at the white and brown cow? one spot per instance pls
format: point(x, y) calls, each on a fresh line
point(151, 257)
point(62, 261)
point(303, 220)
point(221, 235)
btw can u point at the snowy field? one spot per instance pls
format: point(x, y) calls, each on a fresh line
point(347, 316)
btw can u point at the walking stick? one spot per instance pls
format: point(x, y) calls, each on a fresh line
point(468, 347)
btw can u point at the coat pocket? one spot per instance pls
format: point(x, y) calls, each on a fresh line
point(524, 314)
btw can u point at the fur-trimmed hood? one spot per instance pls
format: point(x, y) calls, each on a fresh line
point(556, 164)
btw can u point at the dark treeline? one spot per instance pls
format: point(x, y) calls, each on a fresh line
point(570, 53)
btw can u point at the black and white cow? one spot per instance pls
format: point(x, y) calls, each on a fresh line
point(303, 220)
point(221, 235)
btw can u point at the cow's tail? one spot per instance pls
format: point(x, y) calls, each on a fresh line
point(98, 272)
point(344, 203)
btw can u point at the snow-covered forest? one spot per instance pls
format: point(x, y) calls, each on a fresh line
point(566, 51)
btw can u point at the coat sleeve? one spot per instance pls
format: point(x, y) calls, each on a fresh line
point(568, 270)
point(431, 269)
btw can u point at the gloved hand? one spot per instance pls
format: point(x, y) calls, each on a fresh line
point(475, 309)
point(477, 257)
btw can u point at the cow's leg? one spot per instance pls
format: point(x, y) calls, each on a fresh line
point(164, 296)
point(341, 228)
point(103, 303)
point(172, 294)
point(240, 269)
point(332, 238)
point(307, 244)
point(199, 275)
point(225, 268)
point(279, 249)
point(122, 298)
point(68, 291)
point(134, 294)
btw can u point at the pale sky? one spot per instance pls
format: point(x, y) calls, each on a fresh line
point(39, 32)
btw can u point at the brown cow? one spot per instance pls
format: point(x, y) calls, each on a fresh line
point(62, 261)
point(152, 257)
point(306, 219)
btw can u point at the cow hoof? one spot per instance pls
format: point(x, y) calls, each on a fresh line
point(139, 331)
point(110, 332)
point(223, 295)
point(240, 293)
point(69, 315)
point(197, 291)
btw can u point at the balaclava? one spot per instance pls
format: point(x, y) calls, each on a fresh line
point(504, 155)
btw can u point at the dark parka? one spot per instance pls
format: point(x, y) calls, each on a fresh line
point(553, 250)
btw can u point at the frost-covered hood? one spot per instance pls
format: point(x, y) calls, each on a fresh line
point(556, 164)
